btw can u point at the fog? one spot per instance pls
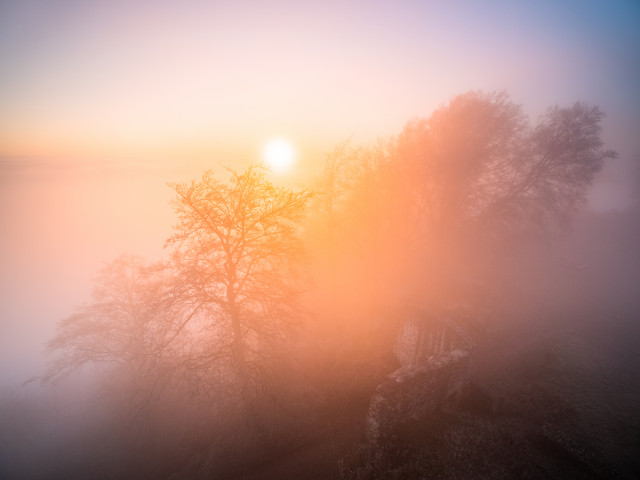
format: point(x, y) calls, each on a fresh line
point(148, 376)
point(440, 280)
point(59, 226)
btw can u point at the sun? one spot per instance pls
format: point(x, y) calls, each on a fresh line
point(279, 155)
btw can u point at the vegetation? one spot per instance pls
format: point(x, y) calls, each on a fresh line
point(272, 320)
point(239, 257)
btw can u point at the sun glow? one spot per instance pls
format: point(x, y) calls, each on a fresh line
point(279, 155)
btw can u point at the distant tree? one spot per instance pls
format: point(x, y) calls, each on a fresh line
point(238, 253)
point(357, 217)
point(330, 188)
point(455, 149)
point(472, 176)
point(128, 326)
point(562, 155)
point(477, 161)
point(324, 225)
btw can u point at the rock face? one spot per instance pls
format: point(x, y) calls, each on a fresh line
point(434, 353)
point(414, 392)
point(424, 337)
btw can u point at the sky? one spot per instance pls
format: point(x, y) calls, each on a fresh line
point(190, 80)
point(102, 102)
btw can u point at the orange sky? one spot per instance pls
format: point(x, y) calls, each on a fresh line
point(193, 80)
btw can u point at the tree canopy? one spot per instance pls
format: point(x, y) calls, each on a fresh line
point(478, 160)
point(238, 252)
point(230, 292)
point(475, 175)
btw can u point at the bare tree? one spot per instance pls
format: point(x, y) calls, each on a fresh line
point(551, 179)
point(128, 326)
point(478, 162)
point(472, 176)
point(239, 254)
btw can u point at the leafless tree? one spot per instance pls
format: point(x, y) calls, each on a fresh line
point(133, 327)
point(478, 162)
point(210, 319)
point(473, 176)
point(238, 253)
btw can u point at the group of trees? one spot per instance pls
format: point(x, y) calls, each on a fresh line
point(472, 178)
point(216, 316)
point(208, 319)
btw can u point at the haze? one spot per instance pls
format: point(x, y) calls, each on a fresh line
point(104, 103)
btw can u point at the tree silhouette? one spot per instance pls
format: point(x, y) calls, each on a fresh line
point(129, 326)
point(561, 157)
point(459, 185)
point(238, 253)
point(212, 318)
point(478, 162)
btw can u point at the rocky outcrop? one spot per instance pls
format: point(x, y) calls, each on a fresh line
point(414, 392)
point(434, 351)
